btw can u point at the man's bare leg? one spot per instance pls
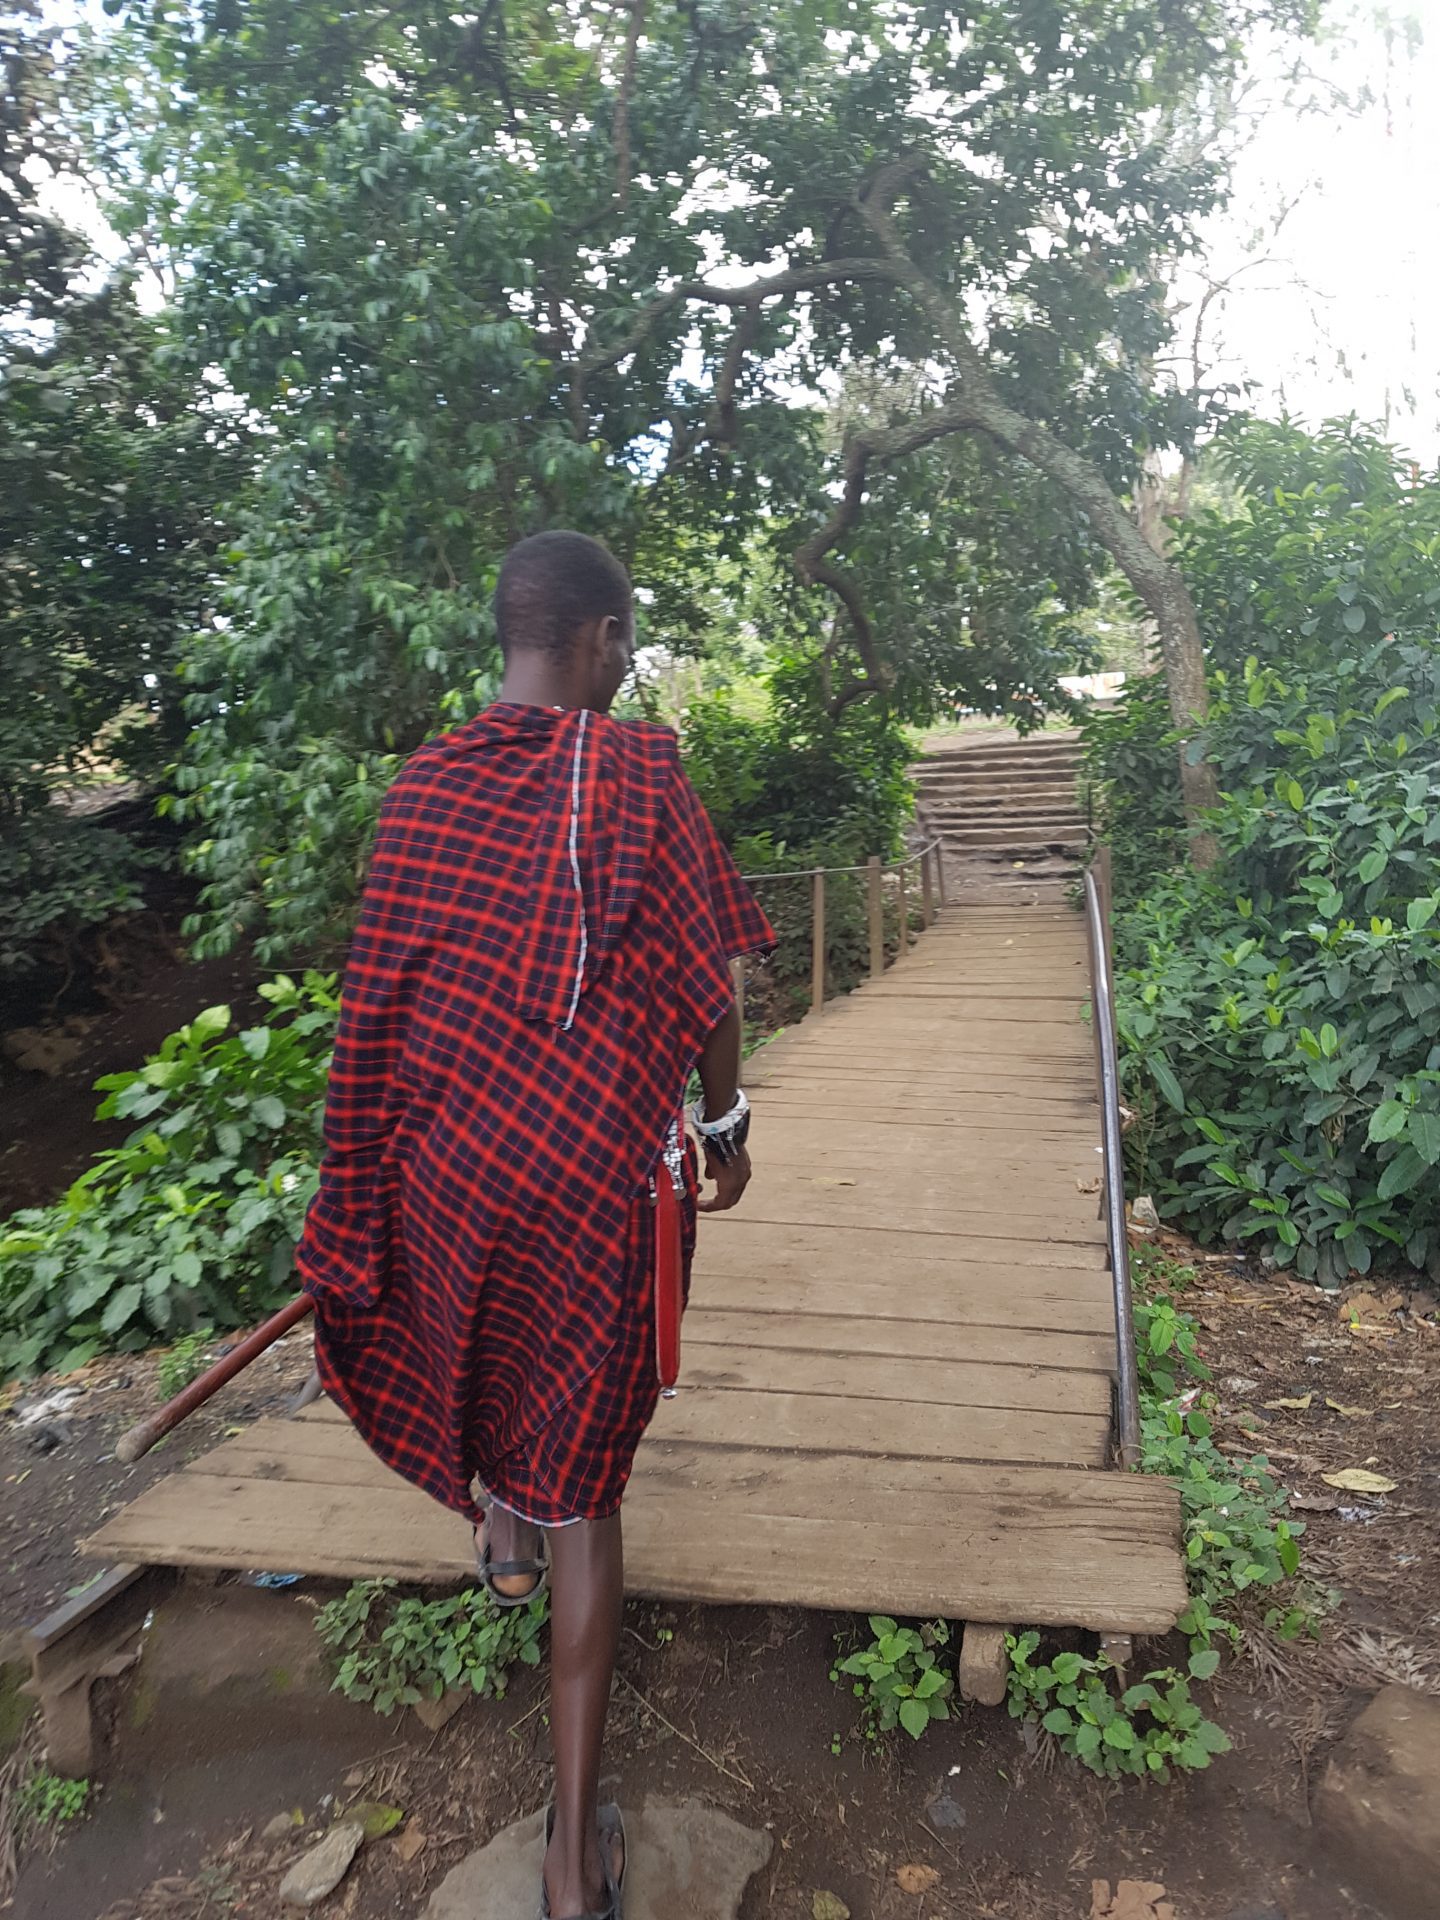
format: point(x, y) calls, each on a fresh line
point(587, 1599)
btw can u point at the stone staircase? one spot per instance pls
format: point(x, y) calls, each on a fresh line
point(1006, 809)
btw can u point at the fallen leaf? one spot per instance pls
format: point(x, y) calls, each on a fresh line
point(1274, 1406)
point(1350, 1413)
point(1314, 1502)
point(376, 1818)
point(829, 1906)
point(1358, 1480)
point(1132, 1900)
point(231, 1433)
point(916, 1879)
point(409, 1843)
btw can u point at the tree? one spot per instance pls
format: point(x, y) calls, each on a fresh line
point(587, 260)
point(108, 475)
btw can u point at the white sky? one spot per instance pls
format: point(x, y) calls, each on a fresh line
point(1345, 315)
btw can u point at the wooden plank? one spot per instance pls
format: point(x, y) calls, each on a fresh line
point(841, 1424)
point(861, 1252)
point(961, 1340)
point(908, 1378)
point(780, 1203)
point(1041, 1546)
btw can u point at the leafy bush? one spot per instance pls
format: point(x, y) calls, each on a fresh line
point(1238, 1540)
point(1150, 1728)
point(794, 789)
point(396, 1653)
point(195, 1218)
point(1277, 1018)
point(897, 1677)
point(45, 1800)
point(59, 877)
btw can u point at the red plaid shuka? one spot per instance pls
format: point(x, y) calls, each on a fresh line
point(542, 951)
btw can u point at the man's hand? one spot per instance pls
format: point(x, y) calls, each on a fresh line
point(731, 1180)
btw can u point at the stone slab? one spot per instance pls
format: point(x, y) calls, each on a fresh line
point(1377, 1807)
point(684, 1858)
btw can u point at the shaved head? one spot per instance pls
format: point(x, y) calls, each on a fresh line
point(552, 587)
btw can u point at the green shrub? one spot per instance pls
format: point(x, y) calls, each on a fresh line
point(898, 1679)
point(1238, 1541)
point(183, 1363)
point(195, 1218)
point(45, 1800)
point(395, 1653)
point(1279, 1019)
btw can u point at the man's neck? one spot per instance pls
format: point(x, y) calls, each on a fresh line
point(533, 680)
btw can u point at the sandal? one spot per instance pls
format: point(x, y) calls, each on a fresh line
point(612, 1828)
point(489, 1570)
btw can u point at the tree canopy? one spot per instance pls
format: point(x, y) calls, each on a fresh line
point(866, 295)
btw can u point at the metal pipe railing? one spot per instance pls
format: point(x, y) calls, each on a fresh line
point(1107, 1073)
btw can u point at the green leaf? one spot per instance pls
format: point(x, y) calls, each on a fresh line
point(1389, 1120)
point(1120, 1734)
point(269, 1112)
point(1421, 912)
point(1373, 865)
point(914, 1717)
point(1354, 619)
point(1401, 1173)
point(1423, 1132)
point(213, 1021)
point(1204, 1664)
point(1164, 1078)
point(122, 1306)
point(1058, 1720)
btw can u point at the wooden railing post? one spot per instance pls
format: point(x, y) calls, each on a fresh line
point(904, 906)
point(817, 942)
point(875, 885)
point(940, 871)
point(927, 890)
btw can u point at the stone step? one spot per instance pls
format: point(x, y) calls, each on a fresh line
point(1021, 819)
point(1072, 839)
point(1017, 793)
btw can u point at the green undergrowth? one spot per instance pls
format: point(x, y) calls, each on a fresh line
point(1240, 1547)
point(394, 1652)
point(897, 1677)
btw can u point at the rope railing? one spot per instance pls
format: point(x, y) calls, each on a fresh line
point(1107, 1074)
point(930, 861)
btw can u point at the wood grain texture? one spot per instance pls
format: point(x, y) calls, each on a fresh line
point(898, 1357)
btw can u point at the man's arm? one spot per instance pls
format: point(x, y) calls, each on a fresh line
point(720, 1079)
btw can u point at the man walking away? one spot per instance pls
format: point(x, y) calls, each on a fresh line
point(541, 962)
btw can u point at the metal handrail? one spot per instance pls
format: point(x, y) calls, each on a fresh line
point(1107, 1063)
point(809, 873)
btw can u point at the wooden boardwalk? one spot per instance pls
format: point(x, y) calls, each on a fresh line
point(899, 1360)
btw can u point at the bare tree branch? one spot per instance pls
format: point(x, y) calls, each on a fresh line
point(622, 104)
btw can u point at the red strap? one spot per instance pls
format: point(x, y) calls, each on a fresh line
point(669, 1293)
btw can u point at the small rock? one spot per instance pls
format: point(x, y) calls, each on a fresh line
point(1143, 1214)
point(280, 1828)
point(35, 1051)
point(1240, 1383)
point(49, 1437)
point(316, 1874)
point(684, 1859)
point(946, 1814)
point(1378, 1804)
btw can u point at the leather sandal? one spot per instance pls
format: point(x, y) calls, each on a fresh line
point(491, 1570)
point(612, 1828)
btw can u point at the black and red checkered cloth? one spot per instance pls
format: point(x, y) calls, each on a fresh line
point(542, 951)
